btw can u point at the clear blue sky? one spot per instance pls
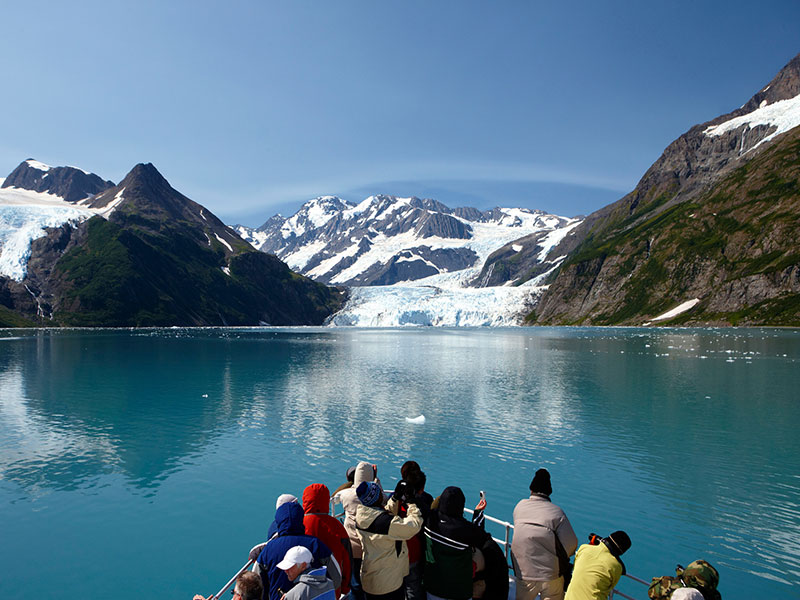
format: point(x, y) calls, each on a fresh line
point(254, 107)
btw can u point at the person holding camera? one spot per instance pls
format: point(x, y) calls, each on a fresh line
point(383, 534)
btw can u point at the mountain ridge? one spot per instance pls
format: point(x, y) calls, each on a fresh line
point(587, 288)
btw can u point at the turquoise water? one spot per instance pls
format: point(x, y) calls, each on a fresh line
point(146, 463)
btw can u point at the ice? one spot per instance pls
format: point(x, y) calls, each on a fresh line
point(398, 306)
point(420, 420)
point(20, 225)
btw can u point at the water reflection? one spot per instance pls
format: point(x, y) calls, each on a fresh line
point(689, 432)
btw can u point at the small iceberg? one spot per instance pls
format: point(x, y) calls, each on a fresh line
point(420, 420)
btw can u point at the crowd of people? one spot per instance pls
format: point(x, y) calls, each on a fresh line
point(405, 544)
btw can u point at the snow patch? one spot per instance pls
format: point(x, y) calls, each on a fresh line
point(227, 271)
point(38, 165)
point(223, 242)
point(681, 308)
point(516, 247)
point(783, 115)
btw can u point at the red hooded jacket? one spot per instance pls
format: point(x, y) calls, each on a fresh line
point(320, 524)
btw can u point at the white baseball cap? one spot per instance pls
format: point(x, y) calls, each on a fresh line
point(295, 556)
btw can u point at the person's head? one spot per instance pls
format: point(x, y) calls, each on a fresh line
point(451, 502)
point(408, 466)
point(540, 484)
point(283, 499)
point(369, 493)
point(295, 561)
point(618, 543)
point(248, 587)
point(351, 474)
point(416, 480)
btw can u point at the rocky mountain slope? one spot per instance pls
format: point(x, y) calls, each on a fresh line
point(715, 219)
point(386, 240)
point(152, 257)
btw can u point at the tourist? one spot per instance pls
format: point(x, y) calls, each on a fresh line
point(290, 533)
point(416, 480)
point(349, 499)
point(598, 568)
point(451, 542)
point(282, 499)
point(383, 534)
point(309, 583)
point(542, 532)
point(320, 524)
point(349, 477)
point(247, 587)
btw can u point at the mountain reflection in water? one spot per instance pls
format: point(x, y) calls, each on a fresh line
point(157, 441)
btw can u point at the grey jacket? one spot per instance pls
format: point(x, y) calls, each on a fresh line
point(312, 584)
point(536, 521)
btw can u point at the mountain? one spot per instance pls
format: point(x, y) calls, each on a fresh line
point(386, 240)
point(142, 254)
point(70, 183)
point(712, 226)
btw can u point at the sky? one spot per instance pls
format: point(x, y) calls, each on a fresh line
point(253, 107)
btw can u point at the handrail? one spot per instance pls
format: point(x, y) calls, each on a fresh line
point(506, 544)
point(232, 580)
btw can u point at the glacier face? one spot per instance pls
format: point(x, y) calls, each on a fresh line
point(418, 305)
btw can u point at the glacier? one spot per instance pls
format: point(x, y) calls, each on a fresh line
point(433, 306)
point(25, 216)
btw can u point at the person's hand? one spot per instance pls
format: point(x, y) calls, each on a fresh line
point(400, 491)
point(199, 597)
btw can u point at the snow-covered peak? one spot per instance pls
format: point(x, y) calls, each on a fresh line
point(313, 215)
point(35, 164)
point(783, 115)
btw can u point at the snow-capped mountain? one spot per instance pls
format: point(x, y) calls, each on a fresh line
point(386, 240)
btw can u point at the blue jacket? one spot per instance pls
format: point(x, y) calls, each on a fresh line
point(291, 532)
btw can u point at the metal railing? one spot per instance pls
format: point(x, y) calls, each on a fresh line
point(505, 543)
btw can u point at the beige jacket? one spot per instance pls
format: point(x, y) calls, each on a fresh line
point(349, 500)
point(383, 536)
point(533, 547)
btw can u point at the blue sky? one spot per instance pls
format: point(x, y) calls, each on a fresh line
point(251, 108)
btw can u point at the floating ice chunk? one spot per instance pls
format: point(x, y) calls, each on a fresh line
point(420, 420)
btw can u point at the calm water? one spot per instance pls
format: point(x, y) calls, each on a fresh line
point(146, 464)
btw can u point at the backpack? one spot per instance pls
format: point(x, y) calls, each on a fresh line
point(699, 575)
point(661, 588)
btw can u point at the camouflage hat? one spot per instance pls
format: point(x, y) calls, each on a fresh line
point(701, 575)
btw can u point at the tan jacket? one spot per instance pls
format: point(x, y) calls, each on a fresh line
point(383, 536)
point(349, 500)
point(533, 547)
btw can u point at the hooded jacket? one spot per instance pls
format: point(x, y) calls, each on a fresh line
point(318, 523)
point(536, 521)
point(312, 584)
point(450, 541)
point(349, 500)
point(383, 535)
point(291, 532)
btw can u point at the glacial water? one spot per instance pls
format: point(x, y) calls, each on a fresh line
point(145, 464)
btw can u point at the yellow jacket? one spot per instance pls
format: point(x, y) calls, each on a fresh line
point(596, 573)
